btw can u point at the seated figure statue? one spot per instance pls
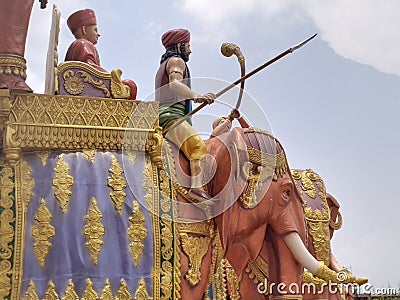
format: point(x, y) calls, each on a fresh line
point(83, 25)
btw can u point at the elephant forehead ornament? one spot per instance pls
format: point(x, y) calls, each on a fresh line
point(267, 161)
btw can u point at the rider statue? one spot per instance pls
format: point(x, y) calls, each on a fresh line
point(83, 25)
point(173, 91)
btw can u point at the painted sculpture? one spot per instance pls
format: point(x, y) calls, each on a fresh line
point(97, 205)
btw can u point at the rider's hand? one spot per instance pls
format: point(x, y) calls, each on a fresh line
point(235, 114)
point(206, 98)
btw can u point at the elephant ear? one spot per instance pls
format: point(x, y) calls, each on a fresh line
point(227, 223)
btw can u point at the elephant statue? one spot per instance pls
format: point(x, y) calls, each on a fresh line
point(322, 217)
point(259, 214)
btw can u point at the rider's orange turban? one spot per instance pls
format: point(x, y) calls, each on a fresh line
point(175, 36)
point(84, 17)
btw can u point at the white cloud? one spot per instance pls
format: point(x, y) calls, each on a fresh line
point(361, 31)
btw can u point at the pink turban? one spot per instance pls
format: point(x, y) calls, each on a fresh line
point(175, 36)
point(84, 17)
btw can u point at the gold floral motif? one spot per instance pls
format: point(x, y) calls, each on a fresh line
point(258, 271)
point(166, 280)
point(307, 177)
point(106, 294)
point(72, 84)
point(90, 153)
point(94, 230)
point(43, 155)
point(195, 248)
point(89, 293)
point(70, 293)
point(123, 292)
point(137, 233)
point(51, 293)
point(7, 237)
point(5, 281)
point(31, 293)
point(141, 291)
point(62, 183)
point(42, 231)
point(27, 183)
point(75, 123)
point(117, 183)
point(227, 277)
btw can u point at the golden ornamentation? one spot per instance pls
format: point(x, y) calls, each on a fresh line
point(27, 183)
point(307, 178)
point(62, 183)
point(74, 86)
point(141, 291)
point(42, 231)
point(31, 293)
point(117, 183)
point(275, 164)
point(154, 146)
point(205, 228)
point(51, 293)
point(123, 292)
point(89, 293)
point(106, 294)
point(5, 280)
point(308, 277)
point(227, 277)
point(5, 108)
point(12, 64)
point(94, 230)
point(195, 248)
point(336, 225)
point(118, 89)
point(74, 123)
point(258, 271)
point(43, 155)
point(137, 233)
point(70, 293)
point(90, 153)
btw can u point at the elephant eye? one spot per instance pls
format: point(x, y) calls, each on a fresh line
point(287, 193)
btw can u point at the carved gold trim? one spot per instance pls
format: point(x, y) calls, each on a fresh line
point(12, 64)
point(74, 86)
point(90, 153)
point(31, 293)
point(106, 293)
point(94, 230)
point(117, 183)
point(336, 225)
point(269, 162)
point(89, 293)
point(74, 123)
point(137, 233)
point(64, 66)
point(123, 292)
point(258, 271)
point(228, 278)
point(205, 228)
point(141, 291)
point(51, 293)
point(118, 89)
point(195, 248)
point(43, 155)
point(27, 183)
point(42, 231)
point(62, 183)
point(70, 293)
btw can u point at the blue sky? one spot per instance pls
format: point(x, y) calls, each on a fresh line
point(333, 104)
